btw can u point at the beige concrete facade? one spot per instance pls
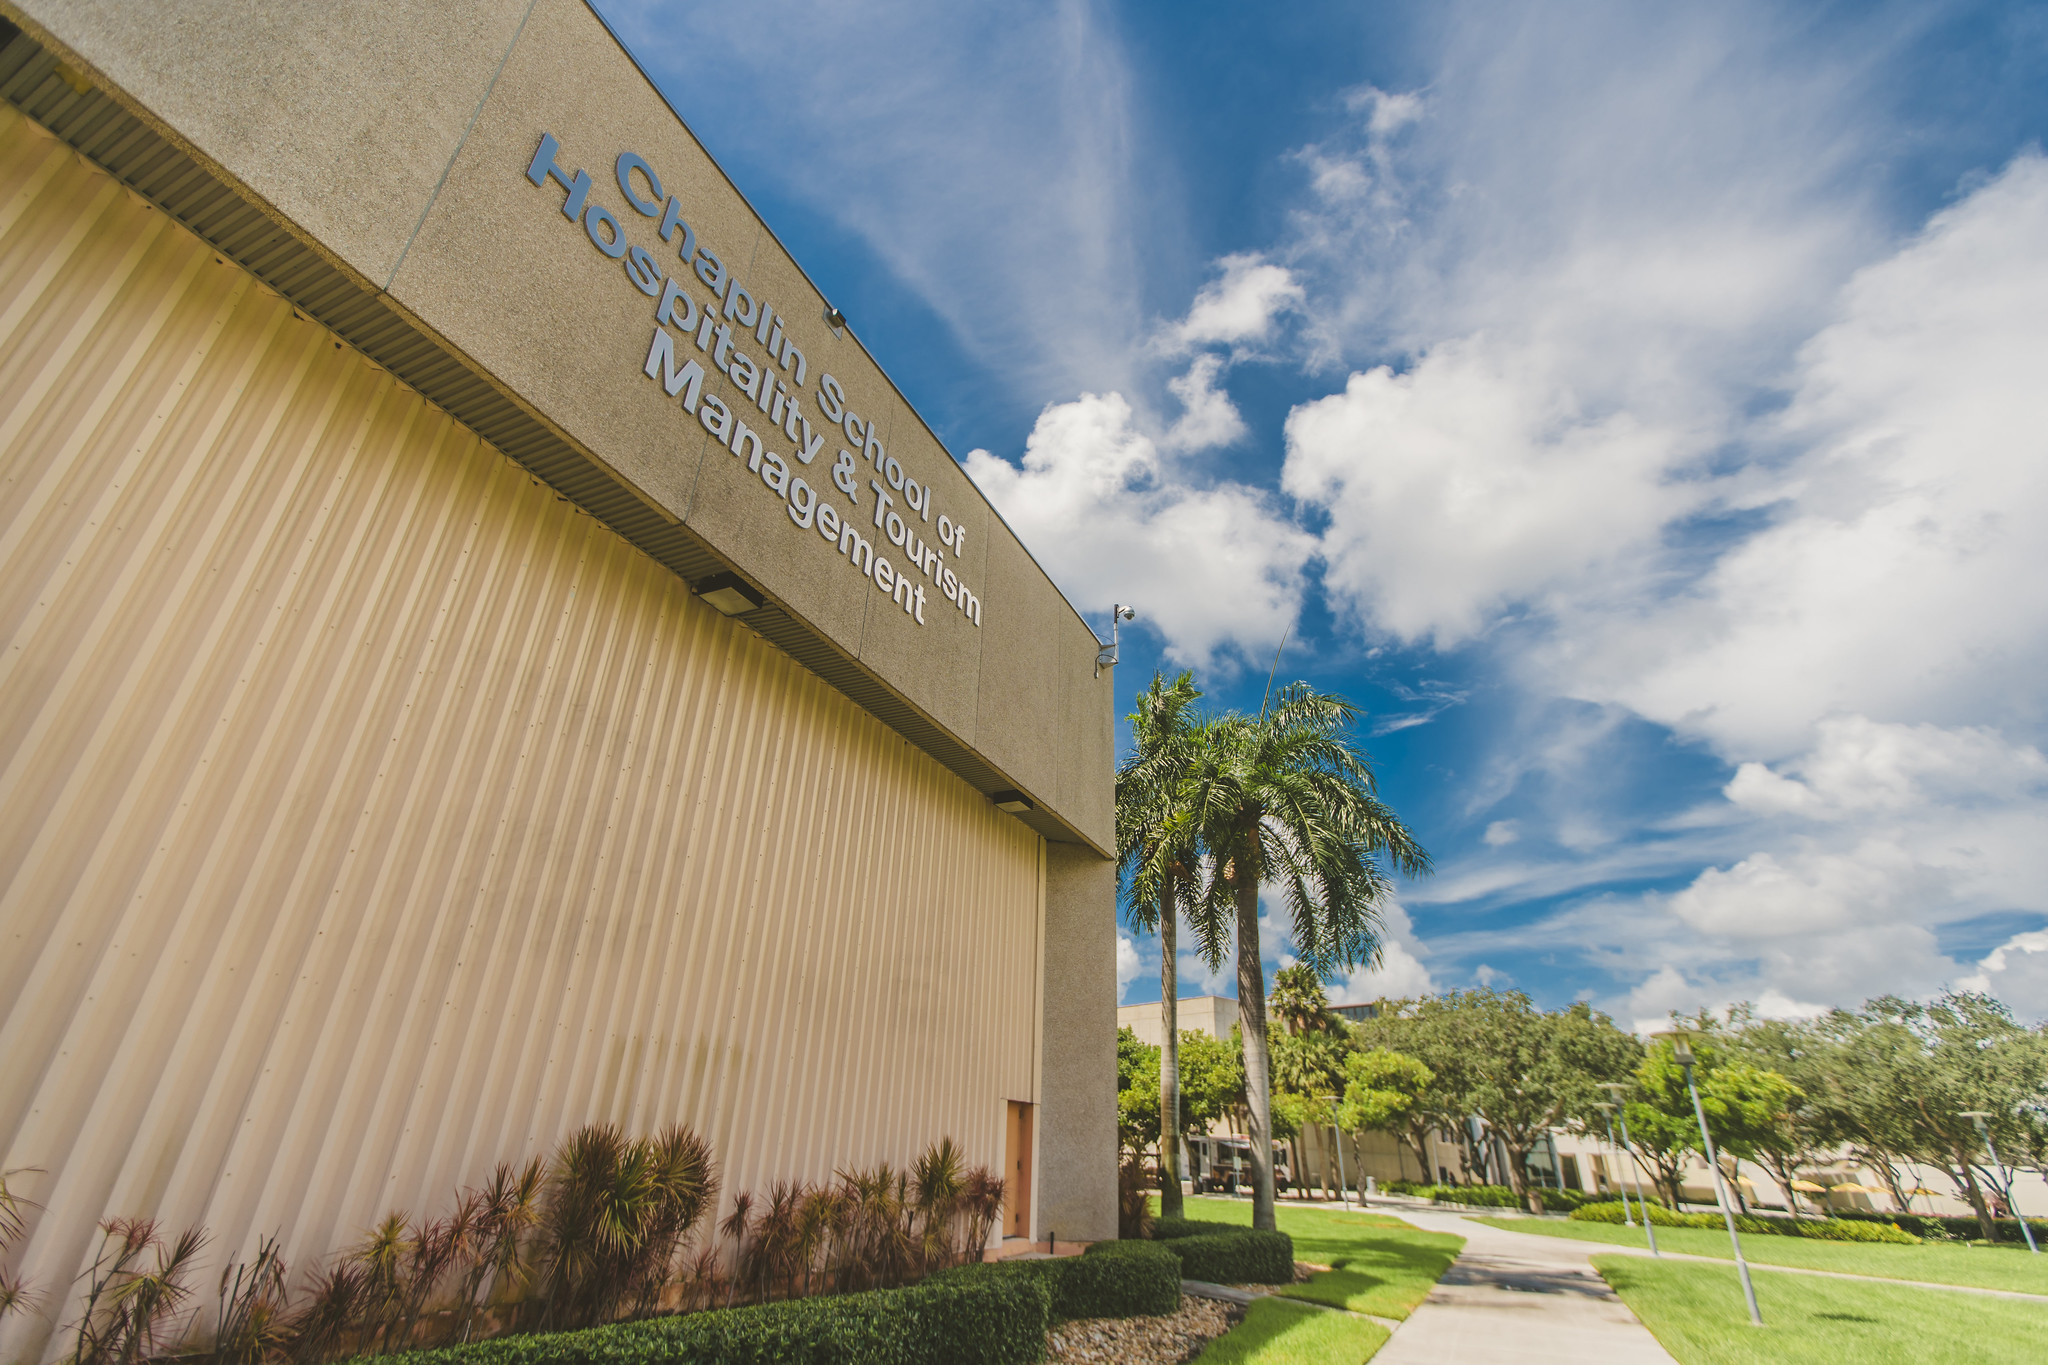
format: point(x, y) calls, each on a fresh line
point(1215, 1015)
point(304, 112)
point(371, 811)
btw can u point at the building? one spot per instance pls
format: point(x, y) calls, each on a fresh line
point(487, 650)
point(1215, 1015)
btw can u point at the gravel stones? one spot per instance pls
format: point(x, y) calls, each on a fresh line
point(1143, 1341)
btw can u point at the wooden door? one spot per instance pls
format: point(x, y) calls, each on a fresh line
point(1017, 1172)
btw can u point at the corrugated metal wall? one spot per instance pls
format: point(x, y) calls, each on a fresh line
point(368, 814)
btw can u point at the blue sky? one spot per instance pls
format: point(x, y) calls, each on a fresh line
point(1642, 413)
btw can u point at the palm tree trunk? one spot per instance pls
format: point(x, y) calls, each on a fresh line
point(1251, 1013)
point(1169, 1056)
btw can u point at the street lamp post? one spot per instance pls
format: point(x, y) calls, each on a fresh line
point(1607, 1112)
point(1337, 1141)
point(1681, 1049)
point(1649, 1229)
point(1977, 1116)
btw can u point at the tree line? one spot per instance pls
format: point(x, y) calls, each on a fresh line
point(1211, 809)
point(1889, 1086)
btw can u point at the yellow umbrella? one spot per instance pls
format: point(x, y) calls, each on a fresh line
point(1808, 1187)
point(1853, 1188)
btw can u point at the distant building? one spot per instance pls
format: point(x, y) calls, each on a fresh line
point(1210, 1014)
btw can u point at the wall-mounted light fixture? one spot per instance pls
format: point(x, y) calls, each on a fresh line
point(728, 594)
point(1016, 803)
point(834, 318)
point(1106, 655)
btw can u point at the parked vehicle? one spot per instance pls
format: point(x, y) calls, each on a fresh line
point(1222, 1165)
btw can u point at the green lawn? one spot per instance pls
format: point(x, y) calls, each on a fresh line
point(1987, 1267)
point(1382, 1265)
point(1275, 1332)
point(1696, 1311)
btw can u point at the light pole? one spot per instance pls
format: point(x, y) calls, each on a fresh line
point(1681, 1050)
point(1337, 1141)
point(1649, 1229)
point(1977, 1116)
point(1607, 1111)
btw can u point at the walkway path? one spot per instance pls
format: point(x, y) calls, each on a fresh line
point(1511, 1298)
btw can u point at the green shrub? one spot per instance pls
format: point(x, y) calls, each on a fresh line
point(1123, 1280)
point(1239, 1256)
point(1501, 1197)
point(994, 1321)
point(1940, 1228)
point(1824, 1230)
point(1112, 1280)
point(1168, 1229)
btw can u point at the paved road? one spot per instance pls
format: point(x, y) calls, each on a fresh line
point(1512, 1298)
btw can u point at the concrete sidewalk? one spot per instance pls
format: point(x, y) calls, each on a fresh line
point(1512, 1298)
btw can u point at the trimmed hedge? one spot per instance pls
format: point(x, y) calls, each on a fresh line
point(1945, 1226)
point(1497, 1196)
point(1823, 1230)
point(1170, 1229)
point(1240, 1256)
point(1111, 1280)
point(996, 1321)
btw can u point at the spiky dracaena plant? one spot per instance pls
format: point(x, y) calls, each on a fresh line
point(382, 1257)
point(129, 1309)
point(705, 1282)
point(685, 1185)
point(983, 1197)
point(769, 1256)
point(252, 1326)
point(510, 1211)
point(814, 1230)
point(333, 1317)
point(738, 1228)
point(16, 1294)
point(431, 1248)
point(601, 1203)
point(936, 1179)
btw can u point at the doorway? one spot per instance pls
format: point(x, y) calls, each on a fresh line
point(1017, 1171)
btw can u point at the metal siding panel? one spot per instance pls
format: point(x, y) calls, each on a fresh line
point(370, 814)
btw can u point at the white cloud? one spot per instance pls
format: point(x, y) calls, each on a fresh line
point(1196, 977)
point(1208, 417)
point(1859, 766)
point(1385, 112)
point(1502, 832)
point(1903, 576)
point(1211, 569)
point(1867, 656)
point(1240, 306)
point(2016, 972)
point(1399, 974)
point(1474, 481)
point(1128, 965)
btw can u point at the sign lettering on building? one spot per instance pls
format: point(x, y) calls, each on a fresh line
point(893, 505)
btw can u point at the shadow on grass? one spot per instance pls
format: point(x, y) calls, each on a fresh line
point(1278, 1333)
point(1695, 1309)
point(1388, 1278)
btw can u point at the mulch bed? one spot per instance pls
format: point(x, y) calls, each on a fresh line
point(1168, 1340)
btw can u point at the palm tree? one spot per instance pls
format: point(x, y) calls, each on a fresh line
point(1285, 797)
point(1299, 1000)
point(1156, 868)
